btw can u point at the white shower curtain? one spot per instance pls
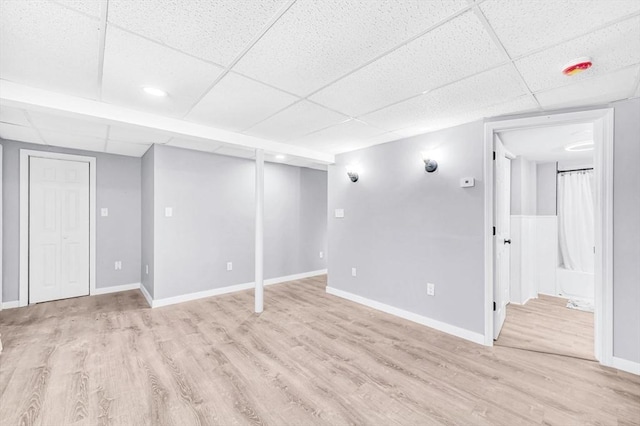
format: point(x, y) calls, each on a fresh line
point(575, 220)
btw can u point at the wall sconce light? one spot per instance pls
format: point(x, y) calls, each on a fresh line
point(430, 165)
point(352, 172)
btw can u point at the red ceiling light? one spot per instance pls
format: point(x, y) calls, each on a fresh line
point(577, 66)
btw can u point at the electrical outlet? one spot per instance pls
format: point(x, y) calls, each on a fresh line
point(229, 266)
point(354, 272)
point(104, 212)
point(146, 269)
point(321, 255)
point(118, 265)
point(431, 289)
point(168, 211)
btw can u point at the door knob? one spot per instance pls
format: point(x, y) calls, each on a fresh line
point(507, 241)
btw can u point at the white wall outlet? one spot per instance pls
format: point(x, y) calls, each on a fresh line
point(146, 269)
point(467, 182)
point(229, 266)
point(354, 272)
point(431, 289)
point(104, 212)
point(118, 265)
point(168, 211)
point(339, 213)
point(321, 255)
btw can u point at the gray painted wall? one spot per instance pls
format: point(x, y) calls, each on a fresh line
point(147, 212)
point(546, 189)
point(117, 236)
point(626, 231)
point(404, 228)
point(212, 197)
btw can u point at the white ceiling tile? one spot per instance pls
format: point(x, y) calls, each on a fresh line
point(44, 121)
point(295, 121)
point(525, 25)
point(611, 48)
point(457, 49)
point(235, 152)
point(88, 7)
point(132, 62)
point(316, 42)
point(19, 133)
point(237, 102)
point(598, 90)
point(485, 89)
point(13, 116)
point(213, 30)
point(71, 140)
point(339, 138)
point(521, 104)
point(137, 135)
point(195, 144)
point(49, 46)
point(126, 148)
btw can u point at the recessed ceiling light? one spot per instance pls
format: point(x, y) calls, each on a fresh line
point(581, 146)
point(280, 157)
point(154, 91)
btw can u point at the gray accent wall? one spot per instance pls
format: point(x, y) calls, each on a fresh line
point(546, 189)
point(117, 235)
point(626, 231)
point(147, 211)
point(404, 228)
point(212, 197)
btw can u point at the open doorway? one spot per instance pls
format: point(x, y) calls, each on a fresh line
point(551, 203)
point(550, 239)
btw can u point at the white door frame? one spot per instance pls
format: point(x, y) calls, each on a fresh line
point(25, 154)
point(603, 161)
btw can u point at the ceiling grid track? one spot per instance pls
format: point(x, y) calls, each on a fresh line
point(104, 10)
point(498, 43)
point(244, 51)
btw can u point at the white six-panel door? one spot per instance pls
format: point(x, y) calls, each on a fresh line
point(58, 229)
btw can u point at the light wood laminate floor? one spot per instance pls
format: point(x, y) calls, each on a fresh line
point(309, 358)
point(545, 324)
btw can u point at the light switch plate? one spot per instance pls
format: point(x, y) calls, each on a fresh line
point(168, 211)
point(104, 212)
point(339, 213)
point(321, 255)
point(354, 272)
point(467, 182)
point(229, 266)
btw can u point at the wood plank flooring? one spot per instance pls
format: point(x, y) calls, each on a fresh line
point(547, 325)
point(308, 359)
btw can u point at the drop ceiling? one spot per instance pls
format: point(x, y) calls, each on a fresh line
point(307, 78)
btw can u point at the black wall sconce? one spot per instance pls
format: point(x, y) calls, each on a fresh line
point(352, 172)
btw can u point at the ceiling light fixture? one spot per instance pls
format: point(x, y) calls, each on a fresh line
point(581, 146)
point(577, 66)
point(154, 91)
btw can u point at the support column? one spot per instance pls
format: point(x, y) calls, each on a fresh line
point(259, 279)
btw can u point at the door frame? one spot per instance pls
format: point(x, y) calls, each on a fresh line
point(603, 162)
point(25, 154)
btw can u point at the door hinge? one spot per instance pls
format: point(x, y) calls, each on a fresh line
point(494, 306)
point(494, 155)
point(494, 230)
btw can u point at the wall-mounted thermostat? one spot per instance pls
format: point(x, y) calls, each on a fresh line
point(339, 213)
point(467, 182)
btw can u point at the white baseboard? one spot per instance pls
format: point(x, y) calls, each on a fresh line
point(440, 326)
point(626, 365)
point(156, 303)
point(294, 277)
point(115, 289)
point(11, 305)
point(146, 295)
